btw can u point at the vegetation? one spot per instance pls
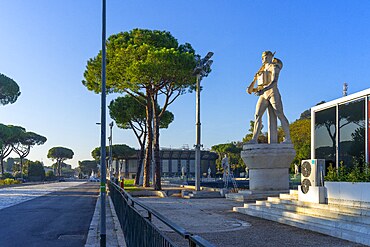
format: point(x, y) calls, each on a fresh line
point(232, 150)
point(150, 66)
point(50, 175)
point(9, 181)
point(60, 154)
point(129, 113)
point(25, 141)
point(9, 90)
point(36, 170)
point(87, 166)
point(15, 138)
point(300, 133)
point(359, 172)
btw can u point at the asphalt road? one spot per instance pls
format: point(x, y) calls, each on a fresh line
point(60, 218)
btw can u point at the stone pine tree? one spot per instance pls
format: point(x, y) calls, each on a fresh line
point(23, 146)
point(9, 136)
point(129, 113)
point(120, 152)
point(9, 90)
point(152, 66)
point(60, 154)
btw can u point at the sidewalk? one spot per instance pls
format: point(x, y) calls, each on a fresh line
point(114, 232)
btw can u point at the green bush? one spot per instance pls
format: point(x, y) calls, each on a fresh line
point(358, 173)
point(7, 175)
point(50, 175)
point(8, 181)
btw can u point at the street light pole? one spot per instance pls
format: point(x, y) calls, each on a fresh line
point(110, 150)
point(103, 168)
point(202, 69)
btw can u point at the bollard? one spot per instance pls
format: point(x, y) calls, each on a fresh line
point(123, 183)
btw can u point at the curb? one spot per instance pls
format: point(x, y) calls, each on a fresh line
point(117, 226)
point(115, 235)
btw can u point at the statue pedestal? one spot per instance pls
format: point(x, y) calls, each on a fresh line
point(268, 165)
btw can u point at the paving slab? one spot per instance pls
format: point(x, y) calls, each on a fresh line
point(214, 220)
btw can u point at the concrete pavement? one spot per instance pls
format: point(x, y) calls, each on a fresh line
point(214, 220)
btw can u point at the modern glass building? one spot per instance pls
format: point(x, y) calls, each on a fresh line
point(340, 130)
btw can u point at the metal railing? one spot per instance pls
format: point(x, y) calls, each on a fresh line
point(137, 225)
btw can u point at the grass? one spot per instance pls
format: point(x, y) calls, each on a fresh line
point(129, 186)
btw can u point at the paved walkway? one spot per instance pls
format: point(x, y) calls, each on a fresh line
point(214, 220)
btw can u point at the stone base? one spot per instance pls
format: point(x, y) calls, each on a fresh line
point(268, 165)
point(269, 179)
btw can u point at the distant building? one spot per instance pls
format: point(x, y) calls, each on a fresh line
point(172, 162)
point(340, 130)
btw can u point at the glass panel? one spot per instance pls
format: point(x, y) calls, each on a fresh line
point(368, 129)
point(352, 132)
point(192, 166)
point(132, 165)
point(175, 168)
point(325, 135)
point(165, 167)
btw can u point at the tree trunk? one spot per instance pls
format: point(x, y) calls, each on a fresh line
point(140, 164)
point(2, 167)
point(21, 169)
point(148, 153)
point(59, 168)
point(157, 161)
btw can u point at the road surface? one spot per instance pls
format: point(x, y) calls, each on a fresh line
point(57, 214)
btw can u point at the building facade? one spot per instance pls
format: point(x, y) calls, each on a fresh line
point(173, 163)
point(340, 130)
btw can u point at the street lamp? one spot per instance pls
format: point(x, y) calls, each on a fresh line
point(110, 150)
point(103, 235)
point(201, 70)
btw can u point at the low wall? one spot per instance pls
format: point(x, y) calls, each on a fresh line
point(348, 191)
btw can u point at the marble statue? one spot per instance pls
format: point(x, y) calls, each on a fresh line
point(269, 96)
point(209, 172)
point(183, 171)
point(225, 165)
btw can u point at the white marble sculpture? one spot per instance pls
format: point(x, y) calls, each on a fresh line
point(225, 166)
point(269, 97)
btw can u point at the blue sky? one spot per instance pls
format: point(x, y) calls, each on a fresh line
point(45, 45)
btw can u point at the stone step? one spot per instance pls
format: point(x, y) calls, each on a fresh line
point(288, 196)
point(322, 220)
point(317, 227)
point(329, 207)
point(252, 195)
point(349, 203)
point(335, 215)
point(293, 192)
point(203, 194)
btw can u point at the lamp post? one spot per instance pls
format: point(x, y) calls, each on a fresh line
point(202, 70)
point(110, 150)
point(103, 168)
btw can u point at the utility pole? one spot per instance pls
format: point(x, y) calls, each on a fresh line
point(202, 69)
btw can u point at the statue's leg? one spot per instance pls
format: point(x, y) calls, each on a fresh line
point(277, 104)
point(261, 106)
point(272, 125)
